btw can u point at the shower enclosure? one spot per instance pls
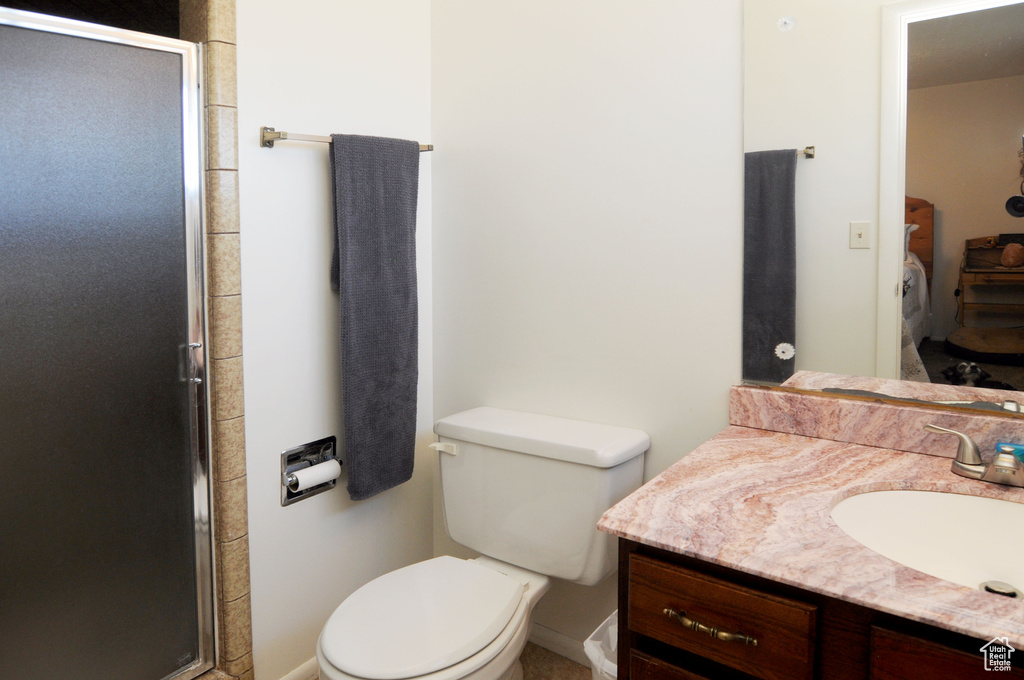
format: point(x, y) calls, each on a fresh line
point(105, 547)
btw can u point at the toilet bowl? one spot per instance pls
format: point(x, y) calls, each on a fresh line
point(525, 491)
point(472, 638)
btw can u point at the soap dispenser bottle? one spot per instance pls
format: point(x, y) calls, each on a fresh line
point(1015, 449)
point(1005, 468)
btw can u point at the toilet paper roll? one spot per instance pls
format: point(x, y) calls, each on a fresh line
point(303, 479)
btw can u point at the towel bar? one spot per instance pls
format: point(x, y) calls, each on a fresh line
point(268, 136)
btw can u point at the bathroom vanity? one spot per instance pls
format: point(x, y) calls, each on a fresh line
point(799, 634)
point(731, 567)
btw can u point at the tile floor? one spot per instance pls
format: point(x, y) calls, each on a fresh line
point(541, 664)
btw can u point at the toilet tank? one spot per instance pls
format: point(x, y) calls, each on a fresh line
point(529, 489)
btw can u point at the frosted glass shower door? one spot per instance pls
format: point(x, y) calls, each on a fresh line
point(104, 521)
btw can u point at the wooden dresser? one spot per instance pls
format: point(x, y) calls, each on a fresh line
point(980, 269)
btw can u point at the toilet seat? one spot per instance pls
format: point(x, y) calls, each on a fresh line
point(423, 618)
point(493, 662)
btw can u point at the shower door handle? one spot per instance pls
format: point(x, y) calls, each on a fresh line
point(187, 364)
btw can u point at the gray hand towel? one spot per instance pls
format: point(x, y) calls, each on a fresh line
point(769, 265)
point(374, 271)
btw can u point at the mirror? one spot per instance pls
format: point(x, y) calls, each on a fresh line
point(833, 76)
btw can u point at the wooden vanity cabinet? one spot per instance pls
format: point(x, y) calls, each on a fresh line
point(749, 630)
point(897, 656)
point(799, 635)
point(644, 667)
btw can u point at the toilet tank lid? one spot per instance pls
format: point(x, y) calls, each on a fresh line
point(574, 441)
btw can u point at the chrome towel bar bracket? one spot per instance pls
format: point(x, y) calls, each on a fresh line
point(269, 135)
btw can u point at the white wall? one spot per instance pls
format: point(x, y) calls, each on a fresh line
point(588, 223)
point(818, 84)
point(962, 145)
point(313, 67)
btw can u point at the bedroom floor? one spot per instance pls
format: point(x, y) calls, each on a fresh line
point(935, 359)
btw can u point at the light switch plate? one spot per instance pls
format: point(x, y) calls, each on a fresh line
point(860, 234)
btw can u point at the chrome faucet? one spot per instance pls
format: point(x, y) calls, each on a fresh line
point(1003, 468)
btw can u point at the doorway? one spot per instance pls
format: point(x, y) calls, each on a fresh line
point(950, 136)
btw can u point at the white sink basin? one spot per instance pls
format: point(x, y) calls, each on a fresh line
point(964, 539)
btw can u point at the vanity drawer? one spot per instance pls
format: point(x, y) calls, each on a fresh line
point(643, 667)
point(784, 629)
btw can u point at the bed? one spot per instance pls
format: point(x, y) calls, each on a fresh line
point(919, 243)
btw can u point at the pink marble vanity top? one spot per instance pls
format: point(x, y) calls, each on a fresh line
point(759, 501)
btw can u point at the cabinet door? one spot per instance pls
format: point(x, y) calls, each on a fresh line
point(898, 656)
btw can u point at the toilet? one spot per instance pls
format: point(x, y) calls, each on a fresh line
point(525, 491)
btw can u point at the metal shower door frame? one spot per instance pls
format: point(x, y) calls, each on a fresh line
point(195, 348)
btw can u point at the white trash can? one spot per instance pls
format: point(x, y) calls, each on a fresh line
point(601, 646)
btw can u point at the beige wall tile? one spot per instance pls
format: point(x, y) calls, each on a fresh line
point(205, 21)
point(233, 568)
point(240, 667)
point(230, 505)
point(226, 388)
point(228, 449)
point(221, 80)
point(222, 136)
point(236, 638)
point(224, 272)
point(221, 201)
point(225, 326)
point(221, 26)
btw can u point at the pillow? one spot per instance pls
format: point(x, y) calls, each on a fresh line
point(907, 230)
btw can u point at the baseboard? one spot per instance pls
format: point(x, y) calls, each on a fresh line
point(307, 671)
point(558, 643)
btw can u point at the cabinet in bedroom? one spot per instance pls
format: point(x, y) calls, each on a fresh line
point(980, 274)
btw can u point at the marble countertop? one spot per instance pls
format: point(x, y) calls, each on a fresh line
point(759, 501)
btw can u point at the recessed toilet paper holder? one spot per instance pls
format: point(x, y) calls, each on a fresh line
point(299, 479)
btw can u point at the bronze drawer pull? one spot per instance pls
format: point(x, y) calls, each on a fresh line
point(713, 632)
